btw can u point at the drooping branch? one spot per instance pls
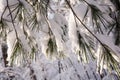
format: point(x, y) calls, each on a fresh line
point(106, 48)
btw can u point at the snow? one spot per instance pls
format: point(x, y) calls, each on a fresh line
point(64, 28)
point(108, 42)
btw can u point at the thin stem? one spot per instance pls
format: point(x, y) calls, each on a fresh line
point(3, 13)
point(12, 18)
point(49, 26)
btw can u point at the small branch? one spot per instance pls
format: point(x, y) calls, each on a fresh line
point(10, 12)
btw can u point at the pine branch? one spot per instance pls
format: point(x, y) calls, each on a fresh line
point(82, 22)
